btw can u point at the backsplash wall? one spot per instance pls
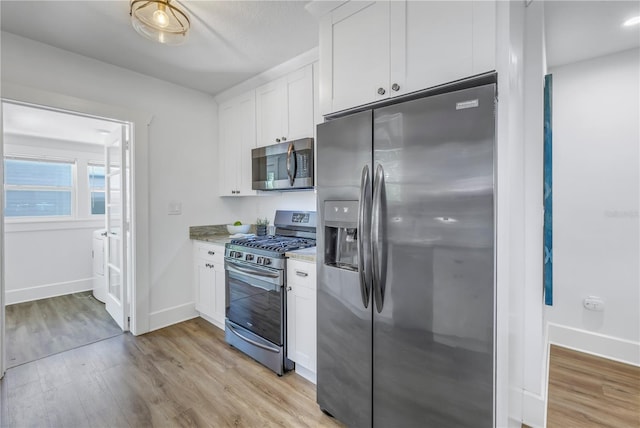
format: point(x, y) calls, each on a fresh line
point(248, 209)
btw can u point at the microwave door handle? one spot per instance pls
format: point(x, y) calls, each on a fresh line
point(292, 175)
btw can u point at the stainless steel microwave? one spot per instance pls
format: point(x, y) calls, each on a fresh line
point(284, 166)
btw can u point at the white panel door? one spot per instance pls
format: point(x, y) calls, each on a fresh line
point(359, 33)
point(227, 151)
point(219, 294)
point(301, 328)
point(438, 43)
point(300, 103)
point(116, 222)
point(246, 131)
point(271, 112)
point(205, 283)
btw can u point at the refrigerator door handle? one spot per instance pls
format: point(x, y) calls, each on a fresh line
point(364, 234)
point(379, 238)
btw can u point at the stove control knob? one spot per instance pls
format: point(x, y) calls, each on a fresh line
point(238, 255)
point(248, 257)
point(266, 261)
point(260, 260)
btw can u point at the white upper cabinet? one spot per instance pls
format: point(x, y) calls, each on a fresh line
point(237, 121)
point(375, 50)
point(284, 108)
point(436, 42)
point(299, 121)
point(270, 112)
point(354, 55)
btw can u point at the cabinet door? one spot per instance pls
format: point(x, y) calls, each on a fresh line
point(436, 42)
point(227, 146)
point(205, 283)
point(237, 121)
point(271, 111)
point(220, 298)
point(354, 47)
point(299, 87)
point(246, 130)
point(301, 328)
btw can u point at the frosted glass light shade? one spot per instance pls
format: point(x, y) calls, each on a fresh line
point(160, 20)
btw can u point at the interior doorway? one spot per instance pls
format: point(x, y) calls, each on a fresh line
point(67, 181)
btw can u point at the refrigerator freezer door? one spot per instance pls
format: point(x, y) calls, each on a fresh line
point(433, 350)
point(344, 324)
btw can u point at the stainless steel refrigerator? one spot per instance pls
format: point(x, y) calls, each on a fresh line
point(406, 294)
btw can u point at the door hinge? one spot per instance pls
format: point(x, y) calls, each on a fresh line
point(128, 323)
point(126, 145)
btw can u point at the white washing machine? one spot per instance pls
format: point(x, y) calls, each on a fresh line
point(99, 283)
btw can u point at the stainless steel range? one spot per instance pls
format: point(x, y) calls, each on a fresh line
point(256, 321)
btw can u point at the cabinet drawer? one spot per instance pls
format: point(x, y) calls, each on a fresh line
point(301, 273)
point(210, 252)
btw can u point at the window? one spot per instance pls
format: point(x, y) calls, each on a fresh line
point(38, 188)
point(96, 188)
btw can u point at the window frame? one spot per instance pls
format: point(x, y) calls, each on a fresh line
point(73, 189)
point(90, 189)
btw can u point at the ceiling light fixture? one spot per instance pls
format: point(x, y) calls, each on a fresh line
point(160, 20)
point(633, 21)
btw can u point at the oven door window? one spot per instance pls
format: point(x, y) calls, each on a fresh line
point(255, 305)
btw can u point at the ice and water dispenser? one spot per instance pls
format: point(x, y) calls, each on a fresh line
point(341, 234)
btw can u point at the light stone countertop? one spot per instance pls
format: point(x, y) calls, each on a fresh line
point(305, 254)
point(216, 234)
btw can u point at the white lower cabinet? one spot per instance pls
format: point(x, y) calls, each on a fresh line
point(210, 299)
point(301, 317)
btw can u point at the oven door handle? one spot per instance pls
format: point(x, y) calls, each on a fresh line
point(235, 267)
point(253, 342)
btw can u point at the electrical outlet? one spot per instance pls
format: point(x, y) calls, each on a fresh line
point(593, 303)
point(175, 208)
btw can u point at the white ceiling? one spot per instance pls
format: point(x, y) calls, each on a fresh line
point(580, 30)
point(229, 41)
point(25, 120)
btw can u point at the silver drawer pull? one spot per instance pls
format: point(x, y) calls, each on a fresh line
point(211, 253)
point(301, 273)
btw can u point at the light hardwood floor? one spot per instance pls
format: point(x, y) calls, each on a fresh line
point(183, 375)
point(45, 327)
point(588, 391)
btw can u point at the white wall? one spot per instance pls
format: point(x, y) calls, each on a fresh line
point(265, 205)
point(50, 258)
point(182, 154)
point(596, 135)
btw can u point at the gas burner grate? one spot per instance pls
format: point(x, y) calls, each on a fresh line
point(279, 244)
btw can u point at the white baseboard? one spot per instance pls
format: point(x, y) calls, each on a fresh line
point(613, 348)
point(215, 322)
point(533, 410)
point(173, 315)
point(47, 290)
point(306, 373)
